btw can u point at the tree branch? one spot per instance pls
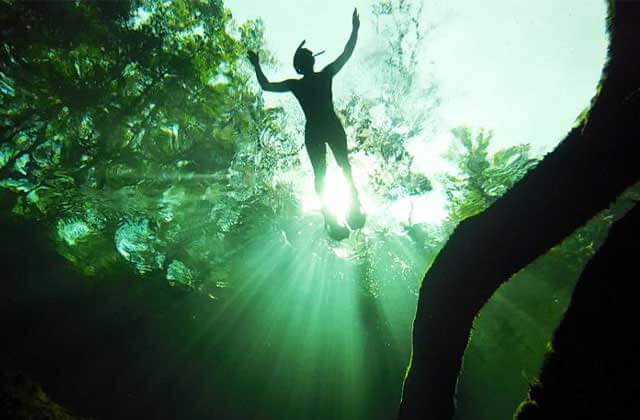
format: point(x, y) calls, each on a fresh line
point(589, 169)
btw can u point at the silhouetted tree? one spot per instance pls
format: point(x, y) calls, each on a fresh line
point(561, 194)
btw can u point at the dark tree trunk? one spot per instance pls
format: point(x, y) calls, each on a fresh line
point(586, 376)
point(589, 169)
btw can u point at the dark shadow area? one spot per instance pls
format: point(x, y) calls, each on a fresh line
point(587, 373)
point(102, 347)
point(23, 399)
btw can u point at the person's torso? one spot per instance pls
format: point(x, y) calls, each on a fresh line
point(315, 96)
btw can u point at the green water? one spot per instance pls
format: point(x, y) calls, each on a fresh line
point(134, 132)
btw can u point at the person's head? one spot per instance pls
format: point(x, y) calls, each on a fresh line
point(304, 59)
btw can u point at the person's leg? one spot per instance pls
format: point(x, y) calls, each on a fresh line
point(338, 145)
point(318, 156)
point(317, 151)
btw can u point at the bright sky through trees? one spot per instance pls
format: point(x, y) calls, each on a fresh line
point(501, 64)
point(523, 69)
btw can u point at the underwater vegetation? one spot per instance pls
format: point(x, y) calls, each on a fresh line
point(134, 136)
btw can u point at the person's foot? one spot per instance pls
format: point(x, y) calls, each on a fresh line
point(335, 230)
point(356, 218)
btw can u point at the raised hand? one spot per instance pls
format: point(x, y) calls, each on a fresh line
point(253, 58)
point(355, 19)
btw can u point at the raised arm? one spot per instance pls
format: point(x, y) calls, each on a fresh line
point(335, 67)
point(265, 84)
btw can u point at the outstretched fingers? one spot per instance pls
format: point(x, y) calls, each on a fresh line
point(355, 19)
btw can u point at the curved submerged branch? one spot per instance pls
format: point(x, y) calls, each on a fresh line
point(593, 165)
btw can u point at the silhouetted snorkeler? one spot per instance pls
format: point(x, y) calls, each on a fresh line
point(314, 94)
